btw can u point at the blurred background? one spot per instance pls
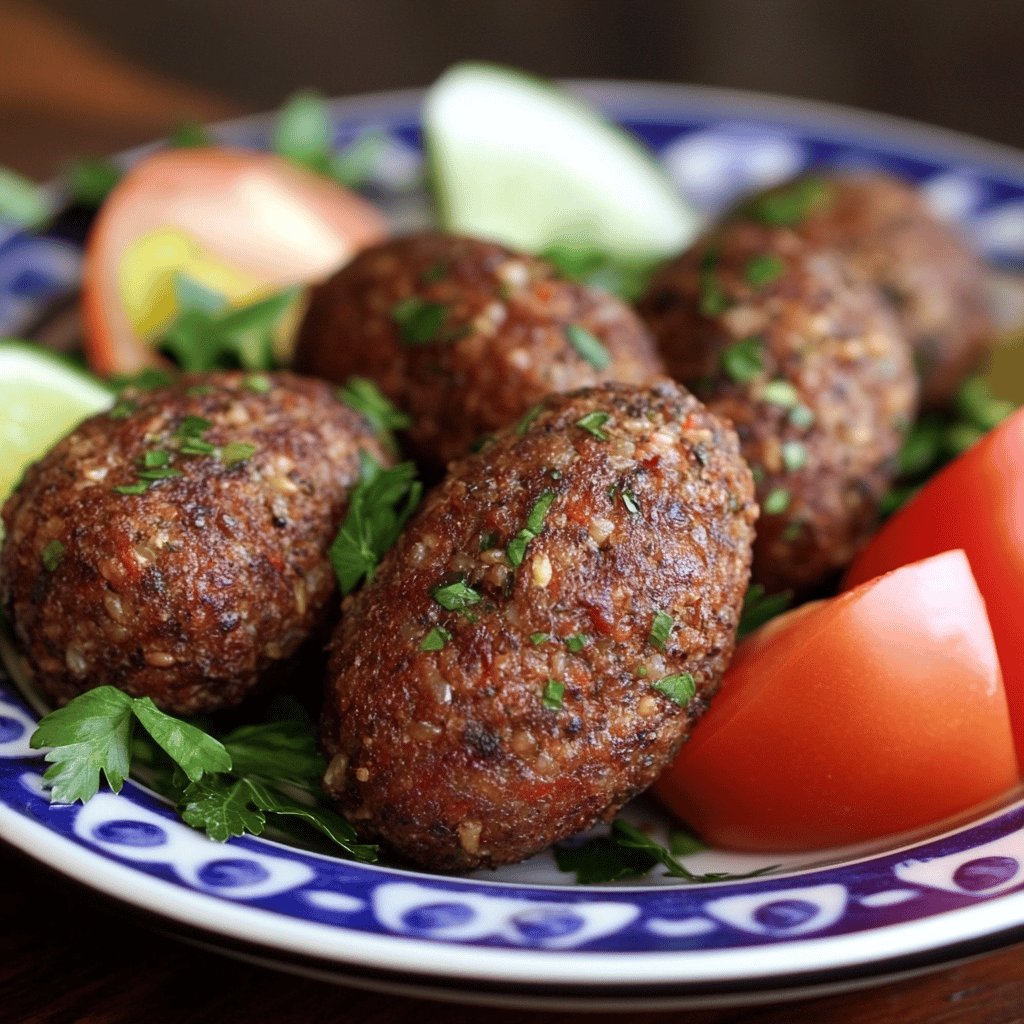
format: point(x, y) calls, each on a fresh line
point(80, 76)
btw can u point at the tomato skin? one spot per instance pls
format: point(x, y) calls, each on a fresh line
point(872, 713)
point(977, 504)
point(285, 225)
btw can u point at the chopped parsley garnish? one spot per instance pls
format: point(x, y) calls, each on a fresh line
point(436, 639)
point(257, 383)
point(776, 502)
point(362, 395)
point(588, 347)
point(90, 180)
point(140, 487)
point(303, 131)
point(742, 359)
point(197, 446)
point(419, 322)
point(156, 459)
point(539, 638)
point(223, 787)
point(801, 417)
point(794, 455)
point(554, 692)
point(237, 452)
point(211, 334)
point(781, 393)
point(53, 555)
point(661, 630)
point(793, 530)
point(679, 688)
point(380, 505)
point(123, 409)
point(790, 205)
point(539, 512)
point(762, 270)
point(528, 417)
point(713, 297)
point(148, 379)
point(488, 540)
point(435, 272)
point(576, 642)
point(759, 607)
point(629, 500)
point(628, 852)
point(192, 426)
point(199, 390)
point(516, 549)
point(456, 596)
point(593, 422)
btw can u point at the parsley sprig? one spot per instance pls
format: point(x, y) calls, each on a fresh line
point(628, 852)
point(225, 787)
point(363, 396)
point(380, 506)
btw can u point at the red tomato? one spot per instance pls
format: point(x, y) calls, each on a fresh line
point(976, 503)
point(237, 220)
point(872, 713)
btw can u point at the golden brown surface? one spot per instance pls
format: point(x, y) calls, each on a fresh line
point(452, 756)
point(196, 590)
point(499, 345)
point(813, 372)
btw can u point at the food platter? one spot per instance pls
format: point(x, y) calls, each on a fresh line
point(527, 935)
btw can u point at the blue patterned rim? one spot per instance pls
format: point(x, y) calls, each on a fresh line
point(898, 909)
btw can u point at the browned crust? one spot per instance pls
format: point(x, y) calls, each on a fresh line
point(193, 592)
point(502, 345)
point(450, 757)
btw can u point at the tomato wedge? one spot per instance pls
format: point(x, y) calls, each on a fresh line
point(241, 223)
point(872, 713)
point(976, 503)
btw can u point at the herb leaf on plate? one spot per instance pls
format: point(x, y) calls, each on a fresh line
point(22, 203)
point(380, 505)
point(760, 607)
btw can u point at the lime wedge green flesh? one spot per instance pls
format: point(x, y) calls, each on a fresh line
point(520, 161)
point(41, 400)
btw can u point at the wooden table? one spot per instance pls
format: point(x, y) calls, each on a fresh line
point(66, 958)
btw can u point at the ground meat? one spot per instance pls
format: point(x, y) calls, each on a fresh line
point(481, 735)
point(193, 591)
point(932, 279)
point(465, 336)
point(804, 358)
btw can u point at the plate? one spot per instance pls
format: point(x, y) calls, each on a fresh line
point(524, 935)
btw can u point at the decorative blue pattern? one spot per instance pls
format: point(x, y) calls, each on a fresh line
point(713, 155)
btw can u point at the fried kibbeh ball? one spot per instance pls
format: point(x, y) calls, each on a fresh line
point(928, 274)
point(804, 359)
point(464, 336)
point(547, 629)
point(177, 545)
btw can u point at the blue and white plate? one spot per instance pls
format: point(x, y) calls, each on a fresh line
point(528, 935)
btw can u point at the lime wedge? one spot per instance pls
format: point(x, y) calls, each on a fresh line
point(520, 161)
point(41, 399)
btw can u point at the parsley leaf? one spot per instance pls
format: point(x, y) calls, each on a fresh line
point(554, 693)
point(742, 360)
point(626, 277)
point(192, 750)
point(593, 422)
point(363, 396)
point(303, 131)
point(209, 334)
point(528, 417)
point(91, 179)
point(759, 607)
point(602, 859)
point(419, 322)
point(380, 506)
point(282, 750)
point(90, 736)
point(52, 555)
point(679, 688)
point(713, 297)
point(762, 270)
point(221, 808)
point(791, 204)
point(436, 639)
point(588, 347)
point(575, 642)
point(516, 549)
point(22, 202)
point(661, 629)
point(776, 502)
point(456, 596)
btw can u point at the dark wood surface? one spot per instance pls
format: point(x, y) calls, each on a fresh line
point(64, 957)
